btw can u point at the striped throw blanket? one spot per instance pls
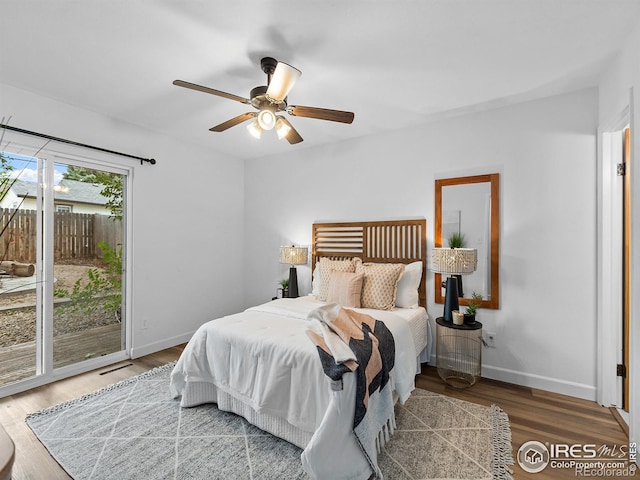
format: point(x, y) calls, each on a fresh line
point(348, 341)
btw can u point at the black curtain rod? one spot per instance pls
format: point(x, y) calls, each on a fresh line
point(152, 161)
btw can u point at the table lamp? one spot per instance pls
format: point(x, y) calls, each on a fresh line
point(293, 256)
point(453, 261)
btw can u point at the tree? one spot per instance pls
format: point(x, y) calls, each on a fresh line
point(103, 289)
point(5, 176)
point(80, 174)
point(113, 186)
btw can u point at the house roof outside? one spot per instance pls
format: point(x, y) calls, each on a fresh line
point(71, 191)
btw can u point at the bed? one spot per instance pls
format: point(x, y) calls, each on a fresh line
point(262, 365)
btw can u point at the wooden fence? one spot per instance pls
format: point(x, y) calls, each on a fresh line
point(75, 235)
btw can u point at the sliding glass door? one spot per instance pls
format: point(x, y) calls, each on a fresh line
point(64, 230)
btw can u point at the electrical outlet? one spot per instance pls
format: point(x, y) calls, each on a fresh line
point(491, 339)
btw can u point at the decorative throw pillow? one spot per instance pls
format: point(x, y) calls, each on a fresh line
point(326, 267)
point(407, 291)
point(345, 288)
point(379, 285)
point(315, 280)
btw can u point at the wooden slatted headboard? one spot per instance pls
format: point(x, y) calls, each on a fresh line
point(394, 241)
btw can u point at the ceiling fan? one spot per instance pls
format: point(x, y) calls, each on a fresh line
point(270, 100)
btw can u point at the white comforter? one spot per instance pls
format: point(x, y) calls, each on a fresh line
point(263, 357)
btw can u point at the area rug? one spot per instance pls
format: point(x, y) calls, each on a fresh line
point(135, 430)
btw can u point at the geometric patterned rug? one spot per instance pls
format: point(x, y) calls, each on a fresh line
point(135, 430)
point(442, 437)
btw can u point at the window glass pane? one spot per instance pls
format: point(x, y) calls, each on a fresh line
point(18, 267)
point(88, 241)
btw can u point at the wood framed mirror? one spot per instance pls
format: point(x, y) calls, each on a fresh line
point(470, 206)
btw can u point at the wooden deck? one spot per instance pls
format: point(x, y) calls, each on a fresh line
point(18, 361)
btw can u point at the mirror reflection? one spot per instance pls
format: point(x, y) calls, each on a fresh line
point(466, 213)
point(467, 216)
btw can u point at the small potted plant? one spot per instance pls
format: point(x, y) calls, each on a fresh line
point(472, 308)
point(284, 283)
point(456, 240)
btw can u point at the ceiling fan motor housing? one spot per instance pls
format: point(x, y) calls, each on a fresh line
point(260, 100)
point(268, 65)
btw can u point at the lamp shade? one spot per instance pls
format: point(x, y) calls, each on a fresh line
point(283, 79)
point(293, 255)
point(454, 261)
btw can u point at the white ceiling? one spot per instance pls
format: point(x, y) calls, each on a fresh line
point(395, 63)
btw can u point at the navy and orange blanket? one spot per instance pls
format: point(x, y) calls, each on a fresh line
point(349, 341)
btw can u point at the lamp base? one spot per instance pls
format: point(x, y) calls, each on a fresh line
point(460, 289)
point(451, 299)
point(293, 282)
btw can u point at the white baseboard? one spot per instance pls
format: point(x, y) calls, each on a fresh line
point(141, 351)
point(564, 387)
point(549, 384)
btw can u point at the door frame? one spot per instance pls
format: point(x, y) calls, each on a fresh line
point(634, 282)
point(609, 260)
point(626, 261)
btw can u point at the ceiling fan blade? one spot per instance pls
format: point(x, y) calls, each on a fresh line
point(200, 88)
point(321, 113)
point(283, 79)
point(233, 122)
point(292, 136)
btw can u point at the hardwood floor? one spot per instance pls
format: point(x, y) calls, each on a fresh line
point(538, 415)
point(32, 461)
point(534, 414)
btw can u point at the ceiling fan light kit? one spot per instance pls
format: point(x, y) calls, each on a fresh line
point(254, 129)
point(266, 119)
point(269, 100)
point(282, 129)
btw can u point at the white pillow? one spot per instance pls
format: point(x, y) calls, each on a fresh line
point(407, 290)
point(315, 280)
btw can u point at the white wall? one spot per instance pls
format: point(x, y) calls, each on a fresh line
point(545, 152)
point(188, 261)
point(186, 253)
point(622, 76)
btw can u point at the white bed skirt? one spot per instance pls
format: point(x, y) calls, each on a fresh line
point(197, 393)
